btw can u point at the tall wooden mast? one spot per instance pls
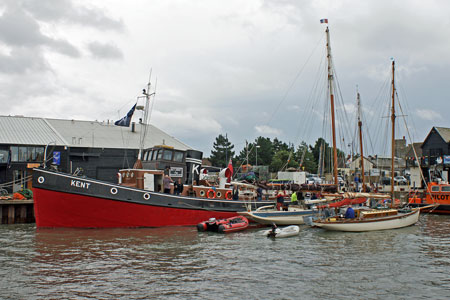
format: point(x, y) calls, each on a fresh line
point(333, 125)
point(393, 132)
point(358, 99)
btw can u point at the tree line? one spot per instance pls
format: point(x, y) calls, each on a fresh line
point(277, 154)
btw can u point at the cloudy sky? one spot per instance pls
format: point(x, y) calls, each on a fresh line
point(242, 68)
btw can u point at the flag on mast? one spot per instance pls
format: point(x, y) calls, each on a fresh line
point(324, 21)
point(125, 121)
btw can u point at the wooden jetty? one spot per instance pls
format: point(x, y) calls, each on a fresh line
point(16, 211)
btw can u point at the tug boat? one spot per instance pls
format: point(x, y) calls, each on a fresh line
point(66, 200)
point(233, 224)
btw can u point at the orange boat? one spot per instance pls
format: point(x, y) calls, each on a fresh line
point(436, 193)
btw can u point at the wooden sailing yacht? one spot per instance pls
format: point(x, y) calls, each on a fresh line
point(367, 219)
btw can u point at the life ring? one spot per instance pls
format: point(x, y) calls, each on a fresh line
point(202, 193)
point(218, 194)
point(228, 195)
point(211, 194)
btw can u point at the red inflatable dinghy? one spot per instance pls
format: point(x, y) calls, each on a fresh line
point(233, 224)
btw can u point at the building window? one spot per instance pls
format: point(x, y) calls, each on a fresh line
point(4, 156)
point(39, 154)
point(23, 153)
point(27, 154)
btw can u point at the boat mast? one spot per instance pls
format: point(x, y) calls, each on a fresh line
point(393, 133)
point(147, 94)
point(330, 90)
point(358, 99)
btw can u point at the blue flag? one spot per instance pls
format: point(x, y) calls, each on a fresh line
point(125, 121)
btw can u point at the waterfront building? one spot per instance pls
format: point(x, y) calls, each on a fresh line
point(97, 149)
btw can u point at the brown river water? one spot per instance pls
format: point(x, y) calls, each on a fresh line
point(180, 263)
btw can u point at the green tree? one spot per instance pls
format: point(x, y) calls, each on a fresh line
point(222, 151)
point(264, 152)
point(279, 145)
point(281, 159)
point(306, 159)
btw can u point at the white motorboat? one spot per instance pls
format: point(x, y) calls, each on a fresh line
point(288, 231)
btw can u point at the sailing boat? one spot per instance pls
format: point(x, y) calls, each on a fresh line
point(378, 219)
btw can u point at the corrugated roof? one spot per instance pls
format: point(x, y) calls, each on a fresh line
point(21, 130)
point(75, 133)
point(444, 133)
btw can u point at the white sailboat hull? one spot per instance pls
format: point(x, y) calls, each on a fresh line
point(355, 225)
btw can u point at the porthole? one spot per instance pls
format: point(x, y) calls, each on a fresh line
point(147, 196)
point(114, 191)
point(41, 179)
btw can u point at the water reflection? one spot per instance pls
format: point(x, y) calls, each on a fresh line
point(180, 263)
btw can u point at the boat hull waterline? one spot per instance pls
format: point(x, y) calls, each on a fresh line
point(63, 200)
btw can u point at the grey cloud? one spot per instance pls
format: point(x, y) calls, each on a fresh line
point(18, 29)
point(21, 60)
point(105, 51)
point(66, 11)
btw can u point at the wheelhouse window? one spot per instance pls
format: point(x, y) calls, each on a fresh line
point(160, 153)
point(446, 188)
point(168, 154)
point(435, 189)
point(178, 156)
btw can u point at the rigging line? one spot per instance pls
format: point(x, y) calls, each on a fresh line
point(306, 113)
point(293, 82)
point(339, 98)
point(414, 150)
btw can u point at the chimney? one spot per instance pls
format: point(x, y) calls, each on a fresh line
point(133, 127)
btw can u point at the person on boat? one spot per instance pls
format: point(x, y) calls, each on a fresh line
point(235, 193)
point(166, 183)
point(280, 200)
point(326, 211)
point(178, 187)
point(294, 200)
point(350, 213)
point(259, 194)
point(273, 232)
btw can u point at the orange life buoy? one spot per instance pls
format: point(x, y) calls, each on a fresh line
point(211, 194)
point(228, 195)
